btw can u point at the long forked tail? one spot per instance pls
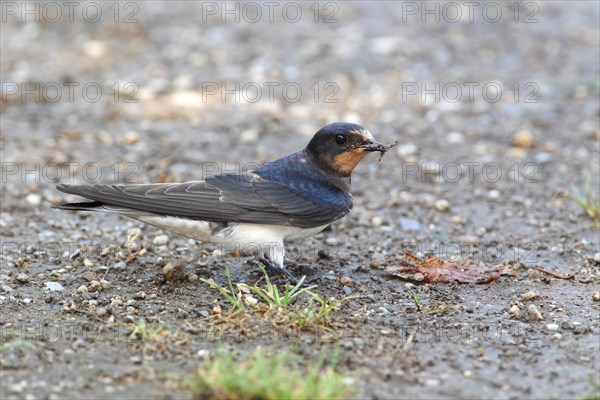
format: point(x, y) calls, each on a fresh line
point(83, 205)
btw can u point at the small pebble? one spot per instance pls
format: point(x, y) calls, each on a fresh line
point(160, 240)
point(523, 139)
point(552, 327)
point(216, 310)
point(426, 199)
point(455, 137)
point(121, 265)
point(534, 314)
point(409, 224)
point(203, 353)
point(344, 280)
point(174, 272)
point(467, 373)
point(92, 49)
point(6, 288)
point(383, 310)
point(88, 263)
point(249, 136)
point(193, 278)
point(101, 311)
point(33, 199)
point(596, 296)
point(494, 194)
point(456, 219)
point(116, 302)
point(532, 294)
point(22, 278)
point(542, 158)
point(514, 311)
point(54, 286)
point(131, 137)
point(331, 241)
point(135, 359)
point(442, 205)
point(89, 276)
point(82, 289)
point(376, 221)
point(105, 284)
point(251, 301)
point(347, 290)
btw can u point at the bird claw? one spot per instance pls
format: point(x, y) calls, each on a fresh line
point(273, 270)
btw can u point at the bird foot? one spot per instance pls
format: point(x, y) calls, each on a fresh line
point(273, 270)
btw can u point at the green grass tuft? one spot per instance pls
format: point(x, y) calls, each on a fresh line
point(272, 296)
point(262, 376)
point(278, 302)
point(585, 200)
point(147, 332)
point(229, 294)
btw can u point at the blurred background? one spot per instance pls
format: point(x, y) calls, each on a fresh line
point(212, 81)
point(495, 105)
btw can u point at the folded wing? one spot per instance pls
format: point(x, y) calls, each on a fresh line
point(222, 198)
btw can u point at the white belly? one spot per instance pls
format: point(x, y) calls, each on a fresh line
point(242, 237)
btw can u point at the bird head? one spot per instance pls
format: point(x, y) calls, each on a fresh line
point(340, 146)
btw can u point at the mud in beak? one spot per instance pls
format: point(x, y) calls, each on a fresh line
point(374, 146)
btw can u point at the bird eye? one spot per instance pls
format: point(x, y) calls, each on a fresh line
point(340, 139)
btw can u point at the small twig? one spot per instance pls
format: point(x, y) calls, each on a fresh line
point(554, 274)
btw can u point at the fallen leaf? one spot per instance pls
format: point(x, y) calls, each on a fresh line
point(433, 269)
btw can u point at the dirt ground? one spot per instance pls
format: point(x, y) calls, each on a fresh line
point(497, 115)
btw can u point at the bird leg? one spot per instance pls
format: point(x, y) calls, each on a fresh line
point(273, 269)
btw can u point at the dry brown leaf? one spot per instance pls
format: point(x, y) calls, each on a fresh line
point(433, 269)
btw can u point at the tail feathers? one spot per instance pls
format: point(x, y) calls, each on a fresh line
point(84, 205)
point(71, 189)
point(91, 205)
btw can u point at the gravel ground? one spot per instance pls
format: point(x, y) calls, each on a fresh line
point(497, 116)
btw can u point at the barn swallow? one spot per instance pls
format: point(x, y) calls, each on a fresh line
point(287, 199)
